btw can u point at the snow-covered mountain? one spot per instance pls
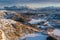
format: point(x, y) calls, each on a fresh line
point(17, 24)
point(25, 9)
point(11, 29)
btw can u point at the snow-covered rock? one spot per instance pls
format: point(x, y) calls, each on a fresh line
point(35, 21)
point(56, 32)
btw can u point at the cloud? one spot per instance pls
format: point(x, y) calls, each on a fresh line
point(6, 2)
point(25, 1)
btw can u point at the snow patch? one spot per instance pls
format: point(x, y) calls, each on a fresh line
point(39, 36)
point(56, 32)
point(35, 21)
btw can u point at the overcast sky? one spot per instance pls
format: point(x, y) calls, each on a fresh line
point(31, 3)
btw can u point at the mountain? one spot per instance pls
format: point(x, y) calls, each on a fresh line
point(16, 8)
point(12, 30)
point(12, 25)
point(51, 8)
point(25, 9)
point(17, 16)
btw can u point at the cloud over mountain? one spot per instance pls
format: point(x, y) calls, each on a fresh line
point(25, 1)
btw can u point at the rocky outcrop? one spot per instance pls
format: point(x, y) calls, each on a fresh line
point(11, 26)
point(12, 30)
point(14, 16)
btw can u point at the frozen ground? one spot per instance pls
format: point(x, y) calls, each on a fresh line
point(35, 21)
point(37, 36)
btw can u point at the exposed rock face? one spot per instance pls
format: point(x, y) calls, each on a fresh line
point(7, 29)
point(14, 16)
point(12, 30)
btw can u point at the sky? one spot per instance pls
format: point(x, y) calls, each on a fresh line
point(31, 3)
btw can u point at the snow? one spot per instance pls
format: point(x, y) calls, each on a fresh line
point(30, 35)
point(36, 36)
point(44, 27)
point(3, 10)
point(56, 32)
point(35, 21)
point(38, 26)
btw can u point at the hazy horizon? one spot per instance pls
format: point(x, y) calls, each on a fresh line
point(30, 3)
